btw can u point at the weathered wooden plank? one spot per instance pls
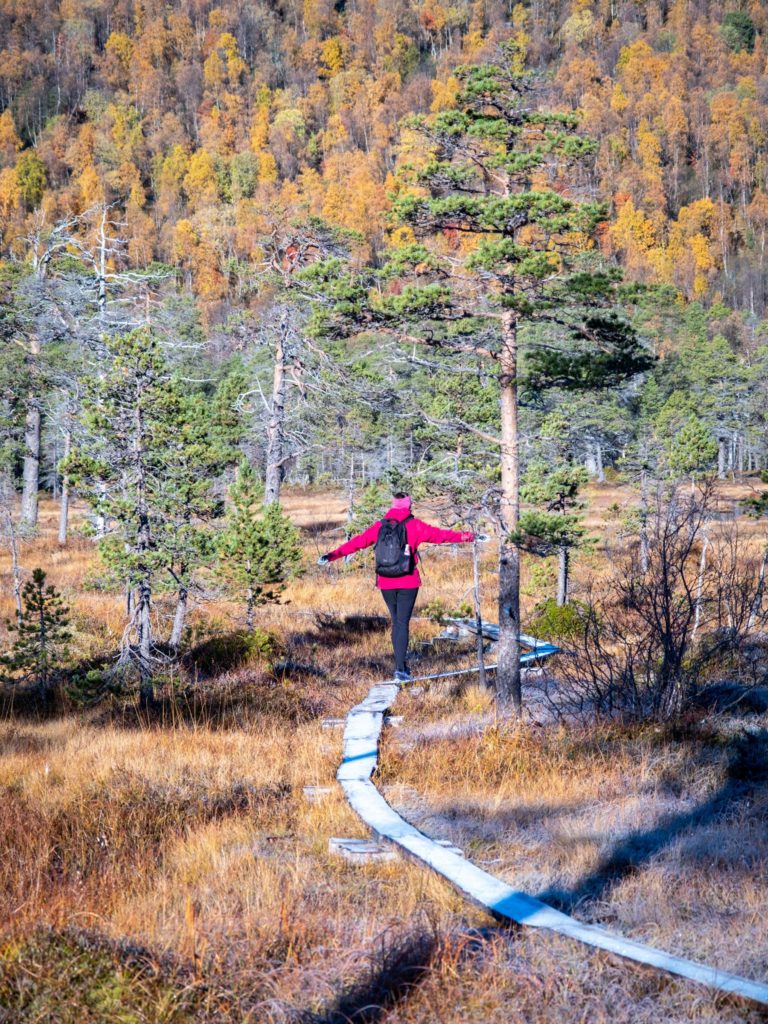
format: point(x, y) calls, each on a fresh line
point(361, 739)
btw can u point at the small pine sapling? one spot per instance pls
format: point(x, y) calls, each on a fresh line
point(42, 634)
point(260, 546)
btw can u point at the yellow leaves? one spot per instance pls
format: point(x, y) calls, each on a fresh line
point(335, 135)
point(619, 100)
point(444, 94)
point(10, 143)
point(260, 128)
point(580, 26)
point(639, 70)
point(696, 217)
point(267, 168)
point(702, 255)
point(648, 146)
point(354, 198)
point(174, 170)
point(228, 44)
point(674, 119)
point(10, 193)
point(90, 187)
point(185, 240)
point(691, 248)
point(334, 54)
point(126, 180)
point(200, 181)
point(402, 236)
point(224, 67)
point(214, 71)
point(119, 46)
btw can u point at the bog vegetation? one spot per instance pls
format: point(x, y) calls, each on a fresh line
point(261, 264)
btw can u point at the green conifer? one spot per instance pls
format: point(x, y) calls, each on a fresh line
point(41, 635)
point(260, 547)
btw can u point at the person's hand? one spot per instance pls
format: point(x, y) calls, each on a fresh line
point(323, 560)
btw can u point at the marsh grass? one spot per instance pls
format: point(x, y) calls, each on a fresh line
point(169, 868)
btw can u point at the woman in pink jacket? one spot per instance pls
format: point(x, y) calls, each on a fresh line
point(399, 592)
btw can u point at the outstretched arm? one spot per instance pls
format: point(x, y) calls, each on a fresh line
point(363, 540)
point(435, 535)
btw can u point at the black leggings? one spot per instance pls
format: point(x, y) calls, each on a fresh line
point(400, 602)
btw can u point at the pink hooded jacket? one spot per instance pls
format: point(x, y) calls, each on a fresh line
point(418, 532)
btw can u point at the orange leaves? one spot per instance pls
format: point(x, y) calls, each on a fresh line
point(10, 143)
point(354, 197)
point(196, 254)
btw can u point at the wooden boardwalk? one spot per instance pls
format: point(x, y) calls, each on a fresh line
point(361, 742)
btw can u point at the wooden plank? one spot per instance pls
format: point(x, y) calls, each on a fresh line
point(361, 740)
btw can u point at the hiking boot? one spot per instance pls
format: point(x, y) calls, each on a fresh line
point(403, 677)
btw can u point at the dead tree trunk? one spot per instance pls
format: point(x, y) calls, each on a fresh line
point(180, 615)
point(645, 547)
point(250, 604)
point(143, 548)
point(478, 615)
point(508, 671)
point(146, 689)
point(276, 425)
point(64, 497)
point(32, 431)
point(13, 546)
point(700, 587)
point(563, 568)
point(757, 603)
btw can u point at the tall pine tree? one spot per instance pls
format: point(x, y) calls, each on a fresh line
point(500, 257)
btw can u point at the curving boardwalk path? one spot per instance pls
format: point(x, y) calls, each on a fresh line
point(361, 741)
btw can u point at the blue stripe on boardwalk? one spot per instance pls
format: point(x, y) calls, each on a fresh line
point(361, 739)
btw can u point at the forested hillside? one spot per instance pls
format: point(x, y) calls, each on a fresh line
point(182, 138)
point(194, 117)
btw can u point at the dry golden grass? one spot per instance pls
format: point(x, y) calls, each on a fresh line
point(177, 873)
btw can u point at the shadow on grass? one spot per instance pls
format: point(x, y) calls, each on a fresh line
point(321, 527)
point(746, 779)
point(337, 630)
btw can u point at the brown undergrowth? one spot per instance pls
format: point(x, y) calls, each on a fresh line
point(171, 869)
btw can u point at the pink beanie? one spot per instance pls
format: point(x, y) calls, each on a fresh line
point(402, 503)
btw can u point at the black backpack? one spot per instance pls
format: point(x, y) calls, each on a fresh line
point(393, 554)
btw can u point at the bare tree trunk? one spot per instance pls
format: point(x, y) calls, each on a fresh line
point(700, 587)
point(31, 478)
point(757, 604)
point(143, 546)
point(13, 544)
point(563, 566)
point(508, 671)
point(250, 601)
point(599, 464)
point(179, 617)
point(146, 690)
point(276, 425)
point(64, 497)
point(645, 553)
point(478, 615)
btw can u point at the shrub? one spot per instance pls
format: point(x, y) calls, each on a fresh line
point(233, 650)
point(553, 622)
point(438, 611)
